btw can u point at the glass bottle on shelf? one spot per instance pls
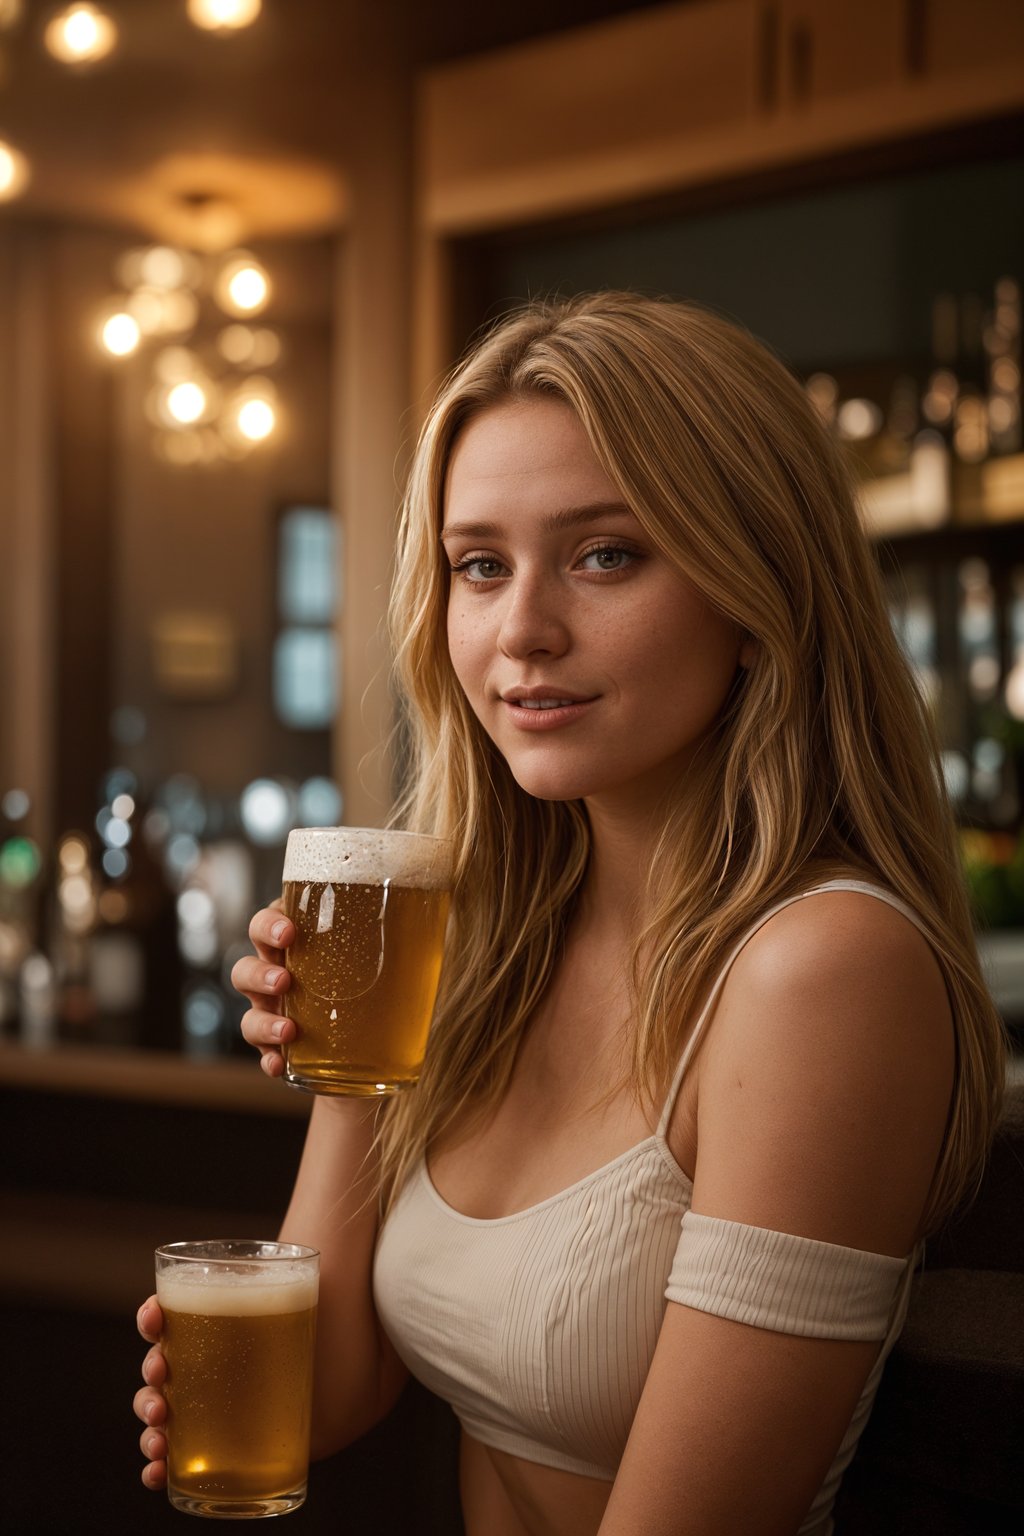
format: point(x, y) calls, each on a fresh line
point(21, 888)
point(1002, 343)
point(931, 460)
point(133, 962)
point(942, 387)
point(72, 919)
point(993, 790)
point(970, 416)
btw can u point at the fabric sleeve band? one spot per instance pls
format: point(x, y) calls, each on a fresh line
point(784, 1283)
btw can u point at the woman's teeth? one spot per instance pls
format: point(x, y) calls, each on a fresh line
point(543, 703)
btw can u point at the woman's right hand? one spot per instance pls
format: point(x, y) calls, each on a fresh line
point(263, 979)
point(150, 1404)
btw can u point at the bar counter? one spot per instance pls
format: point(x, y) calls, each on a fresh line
point(148, 1076)
point(107, 1151)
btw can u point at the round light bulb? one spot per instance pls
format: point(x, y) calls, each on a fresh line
point(248, 289)
point(186, 403)
point(256, 420)
point(81, 34)
point(121, 335)
point(223, 15)
point(242, 287)
point(14, 172)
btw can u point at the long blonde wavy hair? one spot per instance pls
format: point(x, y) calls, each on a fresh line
point(824, 750)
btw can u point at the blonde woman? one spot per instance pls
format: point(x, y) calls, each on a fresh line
point(713, 1053)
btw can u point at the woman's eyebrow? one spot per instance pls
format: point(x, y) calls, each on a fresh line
point(551, 522)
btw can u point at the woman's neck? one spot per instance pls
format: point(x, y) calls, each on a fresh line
point(621, 848)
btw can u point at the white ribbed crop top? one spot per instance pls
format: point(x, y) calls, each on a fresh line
point(539, 1328)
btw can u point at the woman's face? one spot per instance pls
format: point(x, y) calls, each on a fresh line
point(593, 665)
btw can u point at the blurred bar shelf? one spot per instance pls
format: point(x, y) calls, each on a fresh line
point(95, 1254)
point(153, 1077)
point(1002, 961)
point(108, 1150)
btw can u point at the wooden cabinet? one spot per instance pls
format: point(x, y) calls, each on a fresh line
point(653, 107)
point(825, 48)
point(549, 119)
point(958, 38)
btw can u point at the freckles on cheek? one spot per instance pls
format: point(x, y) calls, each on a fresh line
point(460, 654)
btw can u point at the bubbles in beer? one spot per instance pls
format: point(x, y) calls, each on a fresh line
point(369, 910)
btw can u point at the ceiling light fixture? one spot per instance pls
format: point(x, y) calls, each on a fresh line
point(81, 34)
point(223, 15)
point(202, 417)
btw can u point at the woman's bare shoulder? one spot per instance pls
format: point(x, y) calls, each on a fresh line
point(837, 933)
point(825, 1090)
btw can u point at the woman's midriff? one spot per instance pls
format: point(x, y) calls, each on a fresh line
point(504, 1495)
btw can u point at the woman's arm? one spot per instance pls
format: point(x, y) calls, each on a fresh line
point(822, 1102)
point(334, 1208)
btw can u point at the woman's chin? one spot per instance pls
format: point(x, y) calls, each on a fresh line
point(542, 786)
point(558, 786)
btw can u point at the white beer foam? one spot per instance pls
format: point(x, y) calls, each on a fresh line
point(365, 856)
point(287, 1289)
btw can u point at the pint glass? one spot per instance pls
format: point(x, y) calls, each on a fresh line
point(239, 1326)
point(369, 910)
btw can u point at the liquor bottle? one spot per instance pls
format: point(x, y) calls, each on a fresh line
point(970, 417)
point(70, 919)
point(1002, 343)
point(20, 869)
point(942, 387)
point(931, 453)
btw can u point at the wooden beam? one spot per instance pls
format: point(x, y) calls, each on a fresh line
point(27, 682)
point(373, 359)
point(560, 184)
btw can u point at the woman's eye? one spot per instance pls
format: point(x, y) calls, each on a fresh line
point(479, 569)
point(607, 558)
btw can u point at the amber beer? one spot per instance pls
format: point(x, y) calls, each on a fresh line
point(369, 910)
point(239, 1326)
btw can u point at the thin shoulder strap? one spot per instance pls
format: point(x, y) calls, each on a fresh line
point(698, 1029)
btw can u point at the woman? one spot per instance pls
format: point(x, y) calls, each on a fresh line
point(712, 1026)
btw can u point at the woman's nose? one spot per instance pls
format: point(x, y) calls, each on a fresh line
point(534, 619)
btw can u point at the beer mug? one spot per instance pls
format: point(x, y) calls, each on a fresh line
point(238, 1334)
point(369, 910)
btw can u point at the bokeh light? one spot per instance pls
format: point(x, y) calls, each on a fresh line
point(81, 34)
point(14, 172)
point(223, 15)
point(242, 287)
point(267, 811)
point(121, 334)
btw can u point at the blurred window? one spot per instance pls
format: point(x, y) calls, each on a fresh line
point(305, 667)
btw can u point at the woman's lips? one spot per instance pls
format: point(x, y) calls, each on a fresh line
point(545, 714)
